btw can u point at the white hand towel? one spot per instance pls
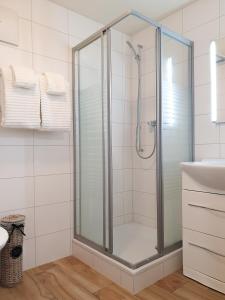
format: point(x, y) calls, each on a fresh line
point(55, 110)
point(56, 84)
point(20, 107)
point(23, 77)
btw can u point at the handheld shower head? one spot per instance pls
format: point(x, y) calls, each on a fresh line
point(136, 55)
point(132, 48)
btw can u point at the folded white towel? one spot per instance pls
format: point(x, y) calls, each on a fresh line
point(56, 84)
point(55, 110)
point(23, 77)
point(20, 107)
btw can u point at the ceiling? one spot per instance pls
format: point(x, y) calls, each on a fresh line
point(104, 11)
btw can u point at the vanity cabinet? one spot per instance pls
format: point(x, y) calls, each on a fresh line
point(203, 234)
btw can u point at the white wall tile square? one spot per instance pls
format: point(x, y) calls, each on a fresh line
point(16, 161)
point(202, 100)
point(50, 14)
point(144, 204)
point(16, 137)
point(51, 160)
point(52, 218)
point(16, 193)
point(206, 132)
point(22, 7)
point(201, 39)
point(85, 28)
point(25, 36)
point(144, 181)
point(209, 151)
point(202, 70)
point(44, 138)
point(117, 41)
point(53, 246)
point(200, 12)
point(52, 189)
point(45, 64)
point(11, 55)
point(50, 43)
point(174, 21)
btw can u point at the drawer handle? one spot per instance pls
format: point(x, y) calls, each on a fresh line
point(205, 207)
point(206, 249)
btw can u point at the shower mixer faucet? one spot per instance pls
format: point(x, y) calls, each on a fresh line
point(152, 125)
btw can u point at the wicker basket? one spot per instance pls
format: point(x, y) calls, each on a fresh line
point(11, 262)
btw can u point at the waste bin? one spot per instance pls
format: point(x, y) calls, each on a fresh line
point(11, 256)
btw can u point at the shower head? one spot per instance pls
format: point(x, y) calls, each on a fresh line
point(132, 48)
point(136, 55)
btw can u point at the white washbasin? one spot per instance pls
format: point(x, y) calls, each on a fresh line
point(208, 173)
point(3, 237)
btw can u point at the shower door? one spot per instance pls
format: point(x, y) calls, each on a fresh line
point(92, 137)
point(176, 132)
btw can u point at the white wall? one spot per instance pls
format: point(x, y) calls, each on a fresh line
point(36, 167)
point(203, 21)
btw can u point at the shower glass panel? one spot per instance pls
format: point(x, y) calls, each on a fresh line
point(176, 131)
point(133, 55)
point(91, 129)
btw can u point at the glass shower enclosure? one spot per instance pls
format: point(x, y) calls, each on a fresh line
point(133, 125)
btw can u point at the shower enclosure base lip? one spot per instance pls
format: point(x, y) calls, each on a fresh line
point(133, 280)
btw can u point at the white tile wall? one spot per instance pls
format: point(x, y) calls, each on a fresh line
point(59, 213)
point(22, 7)
point(51, 15)
point(16, 161)
point(35, 173)
point(52, 189)
point(53, 246)
point(49, 42)
point(51, 160)
point(203, 21)
point(17, 193)
point(200, 12)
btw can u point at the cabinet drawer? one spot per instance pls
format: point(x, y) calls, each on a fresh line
point(204, 253)
point(204, 212)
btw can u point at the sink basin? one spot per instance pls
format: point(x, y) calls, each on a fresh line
point(207, 173)
point(3, 237)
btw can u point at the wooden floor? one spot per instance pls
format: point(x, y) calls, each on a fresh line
point(69, 279)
